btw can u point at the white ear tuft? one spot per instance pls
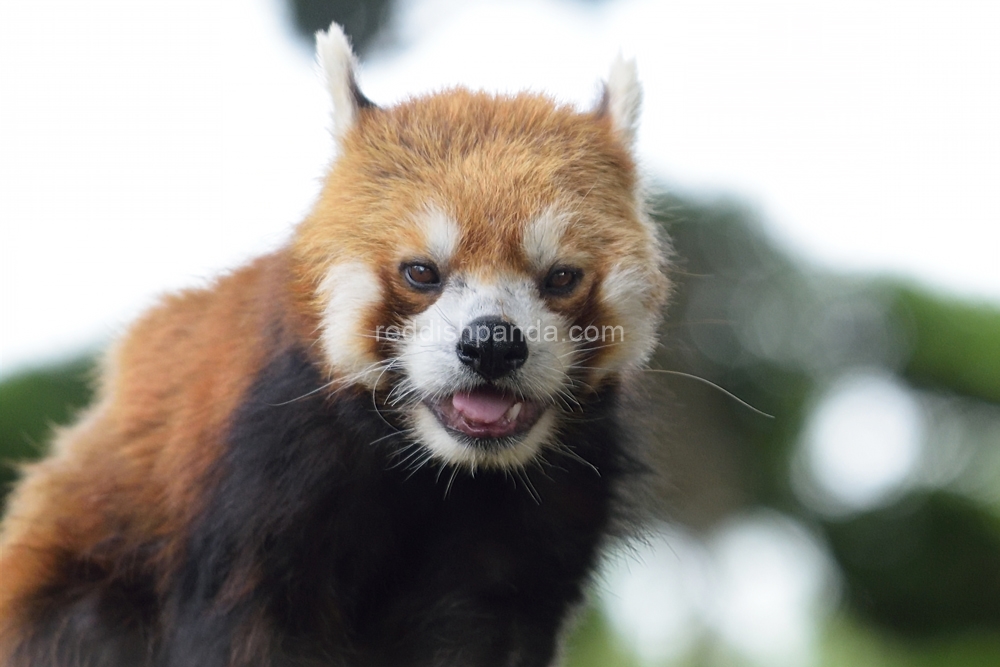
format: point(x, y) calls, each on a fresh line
point(333, 52)
point(623, 98)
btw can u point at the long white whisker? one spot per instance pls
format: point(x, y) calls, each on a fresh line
point(532, 491)
point(451, 480)
point(697, 378)
point(583, 350)
point(346, 380)
point(568, 451)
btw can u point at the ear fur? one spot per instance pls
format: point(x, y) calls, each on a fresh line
point(335, 57)
point(622, 99)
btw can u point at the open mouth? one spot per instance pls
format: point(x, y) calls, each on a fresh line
point(486, 412)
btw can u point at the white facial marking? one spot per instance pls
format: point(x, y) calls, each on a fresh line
point(624, 98)
point(542, 239)
point(441, 235)
point(351, 291)
point(627, 293)
point(427, 354)
point(446, 447)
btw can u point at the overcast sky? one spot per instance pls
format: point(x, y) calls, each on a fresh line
point(146, 146)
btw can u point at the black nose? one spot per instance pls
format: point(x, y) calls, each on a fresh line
point(491, 347)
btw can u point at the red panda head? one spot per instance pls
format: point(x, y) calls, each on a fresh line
point(480, 264)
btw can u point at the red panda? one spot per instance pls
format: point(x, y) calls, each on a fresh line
point(396, 441)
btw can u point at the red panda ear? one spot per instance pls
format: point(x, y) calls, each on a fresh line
point(335, 57)
point(622, 99)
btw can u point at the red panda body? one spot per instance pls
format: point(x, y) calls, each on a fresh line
point(275, 473)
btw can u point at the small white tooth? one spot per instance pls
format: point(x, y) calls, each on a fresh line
point(514, 411)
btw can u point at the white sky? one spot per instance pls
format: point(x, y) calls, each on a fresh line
point(148, 145)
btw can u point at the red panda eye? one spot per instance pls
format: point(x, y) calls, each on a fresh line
point(421, 276)
point(562, 280)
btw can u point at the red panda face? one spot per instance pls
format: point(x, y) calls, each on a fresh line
point(482, 265)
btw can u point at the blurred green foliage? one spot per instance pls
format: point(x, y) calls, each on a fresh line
point(849, 643)
point(774, 333)
point(593, 644)
point(924, 566)
point(955, 344)
point(32, 403)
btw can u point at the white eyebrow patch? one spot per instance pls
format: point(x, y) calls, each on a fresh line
point(441, 234)
point(542, 239)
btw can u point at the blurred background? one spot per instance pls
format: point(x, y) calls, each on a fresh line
point(828, 174)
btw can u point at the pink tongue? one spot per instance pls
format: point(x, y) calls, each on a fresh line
point(482, 406)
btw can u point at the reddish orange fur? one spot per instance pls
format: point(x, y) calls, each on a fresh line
point(523, 154)
point(132, 472)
